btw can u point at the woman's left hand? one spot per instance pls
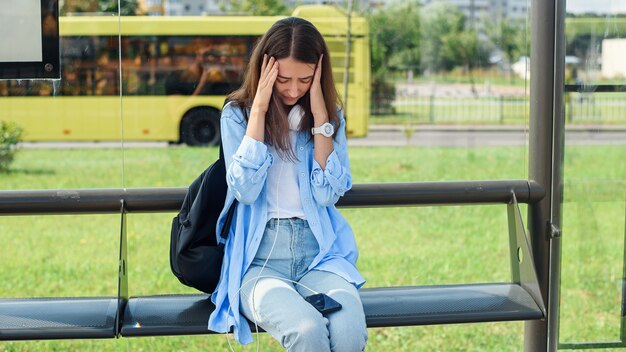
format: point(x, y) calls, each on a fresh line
point(318, 105)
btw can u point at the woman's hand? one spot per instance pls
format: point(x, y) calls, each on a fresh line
point(323, 146)
point(318, 104)
point(269, 71)
point(261, 102)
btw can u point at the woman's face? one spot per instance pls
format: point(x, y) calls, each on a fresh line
point(294, 80)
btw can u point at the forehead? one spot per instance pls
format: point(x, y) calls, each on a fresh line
point(290, 68)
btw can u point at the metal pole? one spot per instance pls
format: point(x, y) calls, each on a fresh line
point(501, 110)
point(431, 109)
point(143, 200)
point(558, 137)
point(346, 72)
point(545, 157)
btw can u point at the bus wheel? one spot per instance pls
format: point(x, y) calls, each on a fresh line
point(200, 127)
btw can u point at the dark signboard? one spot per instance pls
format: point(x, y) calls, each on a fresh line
point(29, 39)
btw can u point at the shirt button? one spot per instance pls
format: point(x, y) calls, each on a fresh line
point(302, 174)
point(301, 148)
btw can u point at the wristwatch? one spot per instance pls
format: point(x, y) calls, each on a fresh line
point(325, 130)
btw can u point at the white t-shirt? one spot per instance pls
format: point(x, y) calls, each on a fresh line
point(283, 191)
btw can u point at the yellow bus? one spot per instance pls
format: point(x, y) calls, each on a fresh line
point(161, 98)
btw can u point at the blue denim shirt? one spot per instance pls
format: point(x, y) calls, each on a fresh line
point(247, 162)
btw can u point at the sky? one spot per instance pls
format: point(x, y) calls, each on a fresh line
point(597, 6)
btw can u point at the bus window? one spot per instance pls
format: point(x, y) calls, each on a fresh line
point(144, 66)
point(207, 66)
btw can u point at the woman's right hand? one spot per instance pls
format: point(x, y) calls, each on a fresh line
point(269, 71)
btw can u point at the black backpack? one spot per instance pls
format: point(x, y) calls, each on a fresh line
point(195, 256)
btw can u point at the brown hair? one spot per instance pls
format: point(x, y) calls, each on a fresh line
point(296, 38)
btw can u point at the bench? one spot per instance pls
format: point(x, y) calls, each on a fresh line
point(128, 316)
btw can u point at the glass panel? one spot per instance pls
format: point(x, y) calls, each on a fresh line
point(594, 200)
point(453, 74)
point(84, 105)
point(71, 140)
point(456, 113)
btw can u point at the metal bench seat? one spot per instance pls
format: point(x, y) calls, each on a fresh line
point(452, 304)
point(384, 307)
point(77, 318)
point(58, 318)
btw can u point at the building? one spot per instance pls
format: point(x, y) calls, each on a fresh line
point(613, 53)
point(339, 3)
point(498, 9)
point(185, 7)
point(513, 9)
point(217, 7)
point(152, 7)
point(182, 7)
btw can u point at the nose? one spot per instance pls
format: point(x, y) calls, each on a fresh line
point(293, 90)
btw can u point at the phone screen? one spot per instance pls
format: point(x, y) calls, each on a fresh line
point(323, 303)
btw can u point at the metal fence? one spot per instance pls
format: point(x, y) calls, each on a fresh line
point(595, 107)
point(497, 109)
point(579, 108)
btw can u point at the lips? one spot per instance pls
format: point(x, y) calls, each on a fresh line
point(289, 100)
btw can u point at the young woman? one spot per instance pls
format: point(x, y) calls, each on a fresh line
point(287, 164)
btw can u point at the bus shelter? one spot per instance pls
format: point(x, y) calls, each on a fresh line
point(534, 251)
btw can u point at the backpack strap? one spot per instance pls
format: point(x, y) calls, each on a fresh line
point(229, 219)
point(231, 210)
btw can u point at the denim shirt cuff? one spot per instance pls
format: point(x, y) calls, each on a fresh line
point(333, 175)
point(253, 151)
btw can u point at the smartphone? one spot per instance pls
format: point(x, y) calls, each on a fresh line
point(323, 303)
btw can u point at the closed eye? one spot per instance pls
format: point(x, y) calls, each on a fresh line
point(285, 79)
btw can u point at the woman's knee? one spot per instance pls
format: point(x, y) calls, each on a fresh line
point(348, 328)
point(348, 338)
point(309, 333)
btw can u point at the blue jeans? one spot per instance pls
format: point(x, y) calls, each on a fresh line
point(279, 306)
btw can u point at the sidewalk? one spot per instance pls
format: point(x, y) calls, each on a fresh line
point(495, 127)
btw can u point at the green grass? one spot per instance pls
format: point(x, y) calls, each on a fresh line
point(76, 255)
point(610, 26)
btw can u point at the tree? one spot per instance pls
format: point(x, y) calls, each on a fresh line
point(464, 48)
point(508, 37)
point(257, 7)
point(395, 37)
point(127, 8)
point(395, 45)
point(439, 20)
point(10, 136)
point(76, 6)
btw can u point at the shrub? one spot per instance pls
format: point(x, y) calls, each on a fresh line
point(10, 135)
point(382, 96)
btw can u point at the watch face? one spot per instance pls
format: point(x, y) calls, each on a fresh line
point(326, 130)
